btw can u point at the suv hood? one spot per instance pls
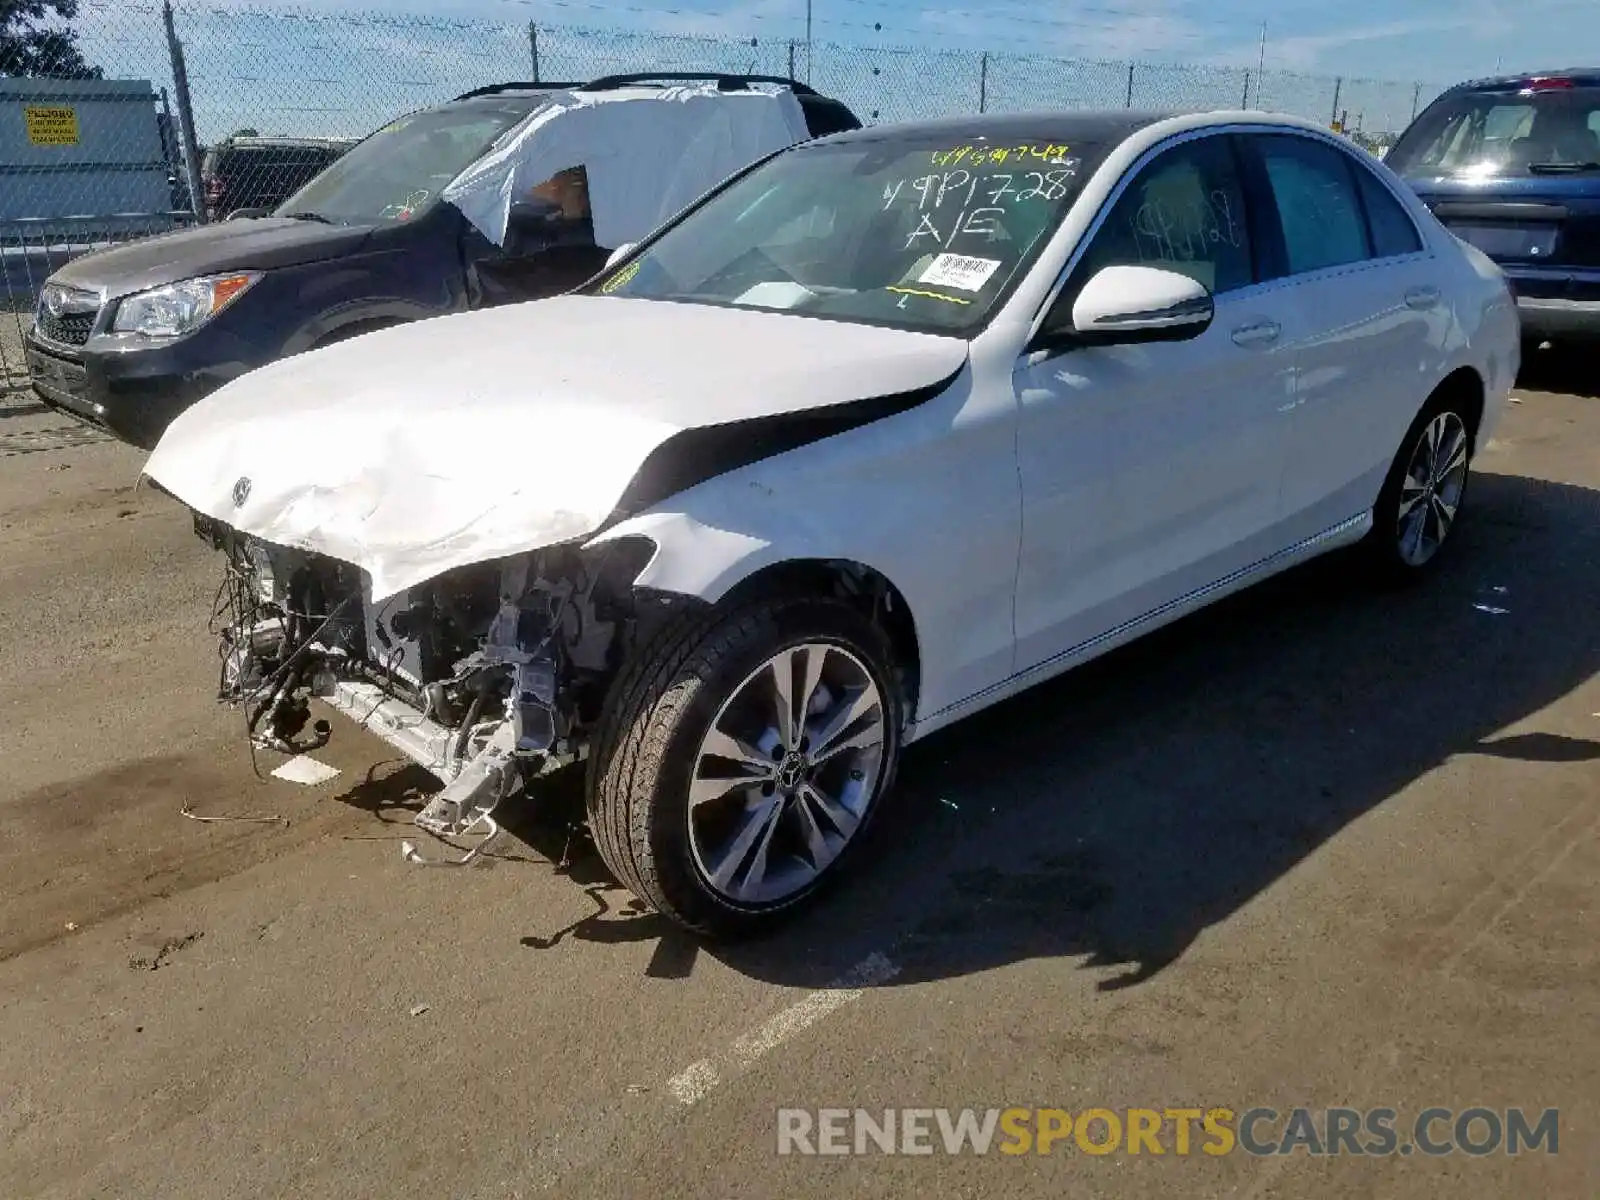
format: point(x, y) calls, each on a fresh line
point(414, 450)
point(243, 245)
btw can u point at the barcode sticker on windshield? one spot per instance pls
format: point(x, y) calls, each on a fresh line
point(959, 271)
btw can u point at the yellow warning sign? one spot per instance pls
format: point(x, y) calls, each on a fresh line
point(53, 125)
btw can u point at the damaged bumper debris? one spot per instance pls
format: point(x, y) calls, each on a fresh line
point(487, 676)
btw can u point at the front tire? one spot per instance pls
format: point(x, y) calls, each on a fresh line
point(742, 760)
point(1421, 500)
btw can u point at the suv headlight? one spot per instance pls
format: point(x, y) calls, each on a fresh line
point(179, 308)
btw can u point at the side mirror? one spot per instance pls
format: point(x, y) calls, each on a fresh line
point(620, 253)
point(1129, 305)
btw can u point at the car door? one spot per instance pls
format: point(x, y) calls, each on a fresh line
point(1366, 316)
point(1150, 471)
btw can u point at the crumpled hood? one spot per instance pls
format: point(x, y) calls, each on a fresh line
point(417, 449)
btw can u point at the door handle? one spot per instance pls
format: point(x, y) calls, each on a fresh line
point(1261, 333)
point(1422, 297)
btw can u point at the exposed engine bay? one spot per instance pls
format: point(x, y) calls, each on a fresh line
point(487, 676)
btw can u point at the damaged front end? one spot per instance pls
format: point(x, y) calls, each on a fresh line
point(488, 676)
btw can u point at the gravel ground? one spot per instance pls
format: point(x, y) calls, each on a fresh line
point(13, 367)
point(1317, 846)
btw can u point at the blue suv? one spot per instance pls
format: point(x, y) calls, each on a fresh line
point(1512, 165)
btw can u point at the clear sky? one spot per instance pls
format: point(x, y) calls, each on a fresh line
point(325, 71)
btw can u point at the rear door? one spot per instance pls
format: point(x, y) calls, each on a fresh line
point(1515, 171)
point(1369, 319)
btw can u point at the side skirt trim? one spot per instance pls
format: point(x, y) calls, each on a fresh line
point(1346, 531)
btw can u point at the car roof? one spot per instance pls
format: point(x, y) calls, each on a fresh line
point(1089, 125)
point(824, 114)
point(1583, 76)
point(727, 81)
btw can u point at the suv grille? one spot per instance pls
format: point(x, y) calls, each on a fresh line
point(66, 317)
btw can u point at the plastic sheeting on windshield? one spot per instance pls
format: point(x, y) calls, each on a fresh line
point(647, 152)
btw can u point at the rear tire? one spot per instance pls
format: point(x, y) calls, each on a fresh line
point(1422, 497)
point(706, 801)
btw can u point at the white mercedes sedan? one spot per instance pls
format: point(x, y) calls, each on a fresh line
point(882, 431)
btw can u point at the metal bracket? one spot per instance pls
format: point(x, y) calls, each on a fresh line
point(465, 808)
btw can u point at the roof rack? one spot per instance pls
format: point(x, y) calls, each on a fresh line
point(725, 82)
point(494, 89)
point(293, 139)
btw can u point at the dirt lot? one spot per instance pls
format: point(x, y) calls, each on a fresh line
point(1317, 847)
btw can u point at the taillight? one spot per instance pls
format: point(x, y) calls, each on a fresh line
point(1540, 83)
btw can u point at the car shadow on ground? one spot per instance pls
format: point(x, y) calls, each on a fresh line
point(1566, 368)
point(1115, 813)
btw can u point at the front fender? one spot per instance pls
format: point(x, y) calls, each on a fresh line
point(695, 558)
point(927, 498)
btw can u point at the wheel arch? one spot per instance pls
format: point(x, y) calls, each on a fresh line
point(1466, 386)
point(347, 321)
point(352, 329)
point(731, 570)
point(863, 587)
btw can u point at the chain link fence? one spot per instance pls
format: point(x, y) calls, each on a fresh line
point(220, 107)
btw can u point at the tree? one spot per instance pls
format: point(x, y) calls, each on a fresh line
point(34, 40)
point(247, 131)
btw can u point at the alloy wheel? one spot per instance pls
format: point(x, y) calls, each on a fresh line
point(787, 773)
point(1430, 492)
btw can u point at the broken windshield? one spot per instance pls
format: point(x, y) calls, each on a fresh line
point(904, 232)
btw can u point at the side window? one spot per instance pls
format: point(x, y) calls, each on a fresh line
point(1186, 212)
point(1393, 232)
point(1318, 207)
point(826, 116)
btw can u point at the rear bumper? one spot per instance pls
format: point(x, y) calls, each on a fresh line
point(1556, 301)
point(1549, 317)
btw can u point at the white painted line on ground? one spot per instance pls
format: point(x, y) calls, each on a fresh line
point(1520, 895)
point(1269, 1171)
point(696, 1081)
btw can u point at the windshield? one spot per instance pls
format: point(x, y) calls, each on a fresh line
point(913, 234)
point(1496, 134)
point(398, 172)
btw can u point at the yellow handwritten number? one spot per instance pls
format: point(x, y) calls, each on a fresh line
point(983, 155)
